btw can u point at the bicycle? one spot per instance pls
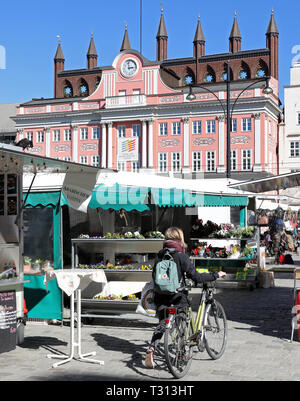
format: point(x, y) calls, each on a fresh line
point(208, 330)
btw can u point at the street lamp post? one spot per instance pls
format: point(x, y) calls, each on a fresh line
point(229, 110)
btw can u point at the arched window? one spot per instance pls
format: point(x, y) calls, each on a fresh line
point(245, 72)
point(262, 70)
point(189, 78)
point(83, 88)
point(68, 89)
point(224, 74)
point(98, 79)
point(210, 75)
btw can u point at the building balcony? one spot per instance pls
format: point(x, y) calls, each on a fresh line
point(125, 101)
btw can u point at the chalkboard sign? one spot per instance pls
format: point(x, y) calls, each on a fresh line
point(8, 321)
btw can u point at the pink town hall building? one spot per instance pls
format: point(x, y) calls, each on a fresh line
point(135, 115)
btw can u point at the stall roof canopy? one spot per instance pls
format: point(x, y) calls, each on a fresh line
point(276, 183)
point(13, 159)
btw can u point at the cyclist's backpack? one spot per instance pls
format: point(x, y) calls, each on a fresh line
point(166, 276)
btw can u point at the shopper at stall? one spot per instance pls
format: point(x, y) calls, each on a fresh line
point(174, 244)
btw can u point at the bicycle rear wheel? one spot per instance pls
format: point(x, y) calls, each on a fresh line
point(178, 354)
point(215, 330)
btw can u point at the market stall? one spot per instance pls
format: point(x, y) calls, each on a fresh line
point(13, 164)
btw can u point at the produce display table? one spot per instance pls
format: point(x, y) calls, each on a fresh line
point(73, 281)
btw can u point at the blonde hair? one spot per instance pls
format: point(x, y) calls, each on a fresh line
point(175, 234)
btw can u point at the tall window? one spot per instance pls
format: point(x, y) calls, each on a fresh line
point(298, 118)
point(67, 158)
point(176, 128)
point(135, 167)
point(197, 126)
point(196, 160)
point(210, 126)
point(176, 161)
point(121, 131)
point(136, 130)
point(68, 134)
point(247, 159)
point(40, 136)
point(56, 135)
point(96, 132)
point(233, 158)
point(162, 162)
point(210, 161)
point(29, 135)
point(83, 159)
point(246, 124)
point(96, 160)
point(163, 129)
point(121, 166)
point(84, 133)
point(294, 149)
point(233, 125)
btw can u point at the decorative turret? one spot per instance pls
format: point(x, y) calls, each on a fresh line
point(125, 43)
point(272, 37)
point(92, 55)
point(235, 37)
point(161, 39)
point(199, 41)
point(59, 64)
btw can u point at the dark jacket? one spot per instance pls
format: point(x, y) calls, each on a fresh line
point(184, 267)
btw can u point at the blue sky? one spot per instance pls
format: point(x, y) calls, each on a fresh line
point(28, 33)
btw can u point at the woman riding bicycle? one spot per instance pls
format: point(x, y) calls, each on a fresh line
point(175, 245)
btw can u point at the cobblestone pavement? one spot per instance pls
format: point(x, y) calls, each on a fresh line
point(258, 346)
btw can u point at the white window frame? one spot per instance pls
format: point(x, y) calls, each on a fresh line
point(197, 127)
point(176, 128)
point(247, 124)
point(68, 135)
point(121, 131)
point(234, 125)
point(84, 133)
point(233, 159)
point(210, 126)
point(84, 159)
point(162, 162)
point(136, 130)
point(40, 137)
point(56, 135)
point(246, 159)
point(96, 133)
point(176, 162)
point(95, 160)
point(196, 161)
point(163, 129)
point(294, 148)
point(210, 161)
point(29, 135)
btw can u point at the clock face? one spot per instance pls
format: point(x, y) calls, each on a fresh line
point(129, 68)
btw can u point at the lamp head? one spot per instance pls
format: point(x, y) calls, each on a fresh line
point(191, 96)
point(268, 90)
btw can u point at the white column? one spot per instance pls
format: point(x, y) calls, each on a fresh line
point(186, 145)
point(75, 143)
point(144, 144)
point(47, 141)
point(221, 161)
point(150, 144)
point(257, 143)
point(103, 148)
point(109, 146)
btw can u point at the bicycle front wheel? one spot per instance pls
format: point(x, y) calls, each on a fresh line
point(177, 351)
point(215, 330)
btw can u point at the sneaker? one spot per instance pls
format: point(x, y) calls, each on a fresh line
point(149, 361)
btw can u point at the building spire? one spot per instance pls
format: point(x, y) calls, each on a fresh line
point(272, 28)
point(199, 40)
point(92, 55)
point(59, 53)
point(235, 36)
point(125, 43)
point(161, 38)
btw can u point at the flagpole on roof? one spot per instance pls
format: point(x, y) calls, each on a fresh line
point(141, 23)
